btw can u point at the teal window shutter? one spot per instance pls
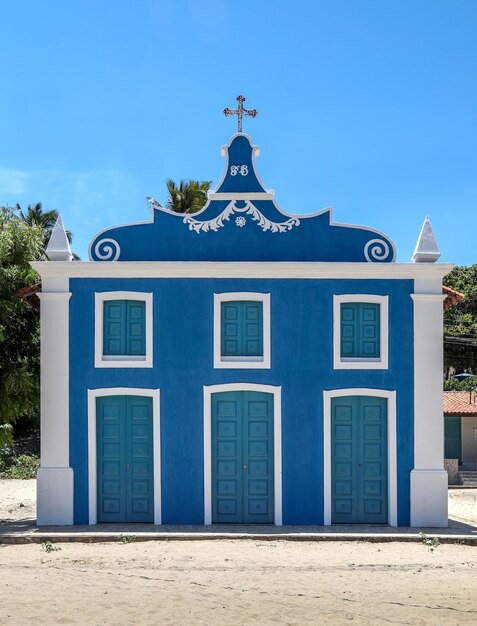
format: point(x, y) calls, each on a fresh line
point(360, 330)
point(124, 328)
point(136, 328)
point(349, 330)
point(369, 326)
point(114, 325)
point(230, 329)
point(241, 328)
point(252, 329)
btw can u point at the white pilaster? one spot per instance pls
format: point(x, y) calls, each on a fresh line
point(428, 478)
point(55, 477)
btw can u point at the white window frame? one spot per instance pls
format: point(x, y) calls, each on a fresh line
point(358, 363)
point(242, 362)
point(101, 360)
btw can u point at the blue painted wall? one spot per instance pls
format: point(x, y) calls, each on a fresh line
point(302, 359)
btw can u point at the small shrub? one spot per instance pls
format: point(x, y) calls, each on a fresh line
point(430, 542)
point(467, 384)
point(47, 546)
point(126, 538)
point(22, 466)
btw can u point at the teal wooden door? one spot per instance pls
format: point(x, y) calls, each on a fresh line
point(242, 458)
point(453, 438)
point(359, 460)
point(124, 437)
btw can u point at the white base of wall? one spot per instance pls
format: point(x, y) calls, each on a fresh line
point(429, 498)
point(54, 496)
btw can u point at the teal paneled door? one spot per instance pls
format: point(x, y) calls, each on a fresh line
point(359, 460)
point(242, 458)
point(125, 476)
point(453, 438)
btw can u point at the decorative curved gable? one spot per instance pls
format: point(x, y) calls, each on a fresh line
point(241, 222)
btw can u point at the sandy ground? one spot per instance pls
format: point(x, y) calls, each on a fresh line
point(235, 582)
point(463, 505)
point(17, 500)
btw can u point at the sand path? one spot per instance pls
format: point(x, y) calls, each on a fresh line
point(234, 582)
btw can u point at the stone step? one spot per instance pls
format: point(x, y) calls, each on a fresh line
point(468, 478)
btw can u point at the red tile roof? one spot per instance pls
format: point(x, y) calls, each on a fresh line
point(457, 403)
point(452, 297)
point(29, 295)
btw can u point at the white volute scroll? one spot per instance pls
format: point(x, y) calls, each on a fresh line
point(55, 476)
point(428, 478)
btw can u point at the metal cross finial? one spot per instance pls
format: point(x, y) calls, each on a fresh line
point(240, 112)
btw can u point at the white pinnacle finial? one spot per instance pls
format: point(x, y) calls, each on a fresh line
point(58, 248)
point(426, 250)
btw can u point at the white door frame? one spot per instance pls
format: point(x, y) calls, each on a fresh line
point(390, 396)
point(277, 443)
point(156, 434)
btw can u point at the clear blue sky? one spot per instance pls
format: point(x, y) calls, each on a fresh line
point(368, 106)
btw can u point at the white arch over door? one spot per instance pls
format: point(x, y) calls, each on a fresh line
point(277, 442)
point(390, 396)
point(92, 460)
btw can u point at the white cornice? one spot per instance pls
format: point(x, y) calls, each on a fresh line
point(210, 269)
point(428, 297)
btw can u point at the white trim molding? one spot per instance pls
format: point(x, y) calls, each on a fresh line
point(242, 362)
point(101, 360)
point(92, 459)
point(390, 396)
point(380, 363)
point(243, 269)
point(277, 443)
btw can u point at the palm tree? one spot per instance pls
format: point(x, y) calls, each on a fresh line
point(35, 216)
point(189, 197)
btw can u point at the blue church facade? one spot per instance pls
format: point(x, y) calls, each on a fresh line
point(242, 365)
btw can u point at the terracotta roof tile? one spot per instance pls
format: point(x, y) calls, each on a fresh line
point(458, 403)
point(452, 297)
point(29, 294)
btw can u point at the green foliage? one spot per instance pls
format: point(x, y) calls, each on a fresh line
point(189, 197)
point(35, 216)
point(126, 538)
point(430, 542)
point(47, 546)
point(6, 441)
point(468, 384)
point(464, 279)
point(19, 323)
point(460, 322)
point(22, 466)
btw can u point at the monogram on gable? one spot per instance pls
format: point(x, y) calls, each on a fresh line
point(238, 169)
